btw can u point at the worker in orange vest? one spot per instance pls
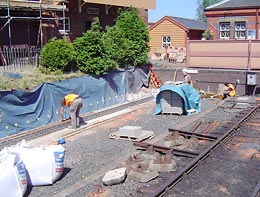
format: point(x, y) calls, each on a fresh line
point(229, 90)
point(74, 102)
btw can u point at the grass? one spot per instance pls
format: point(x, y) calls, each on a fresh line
point(31, 78)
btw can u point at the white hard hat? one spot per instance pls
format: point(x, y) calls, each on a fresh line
point(184, 70)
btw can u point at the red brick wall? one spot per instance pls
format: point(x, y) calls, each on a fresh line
point(27, 32)
point(143, 13)
point(80, 19)
point(214, 17)
point(213, 26)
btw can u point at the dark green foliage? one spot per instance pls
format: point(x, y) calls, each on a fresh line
point(58, 54)
point(90, 55)
point(96, 52)
point(133, 31)
point(117, 47)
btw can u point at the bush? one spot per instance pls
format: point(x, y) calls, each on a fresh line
point(132, 28)
point(91, 57)
point(58, 54)
point(117, 47)
point(208, 35)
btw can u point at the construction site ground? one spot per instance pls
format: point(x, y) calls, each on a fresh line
point(90, 152)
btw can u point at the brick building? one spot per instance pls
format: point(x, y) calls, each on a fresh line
point(234, 19)
point(30, 23)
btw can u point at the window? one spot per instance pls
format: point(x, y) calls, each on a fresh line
point(166, 41)
point(64, 25)
point(224, 30)
point(240, 30)
point(93, 11)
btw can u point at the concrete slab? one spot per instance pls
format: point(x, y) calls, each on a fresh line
point(142, 177)
point(113, 177)
point(133, 136)
point(163, 167)
point(130, 131)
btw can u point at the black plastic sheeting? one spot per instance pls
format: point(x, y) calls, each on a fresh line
point(22, 111)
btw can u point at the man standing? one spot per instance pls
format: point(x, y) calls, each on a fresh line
point(186, 77)
point(74, 102)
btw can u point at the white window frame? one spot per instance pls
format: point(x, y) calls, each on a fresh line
point(224, 30)
point(67, 25)
point(166, 41)
point(240, 30)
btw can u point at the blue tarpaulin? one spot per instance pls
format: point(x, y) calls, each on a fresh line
point(189, 95)
point(22, 111)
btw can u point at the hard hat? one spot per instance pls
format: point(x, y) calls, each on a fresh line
point(184, 70)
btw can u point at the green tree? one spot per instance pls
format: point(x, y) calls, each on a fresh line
point(117, 47)
point(202, 4)
point(58, 54)
point(134, 38)
point(207, 34)
point(90, 54)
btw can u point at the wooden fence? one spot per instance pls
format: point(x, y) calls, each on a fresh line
point(231, 54)
point(14, 58)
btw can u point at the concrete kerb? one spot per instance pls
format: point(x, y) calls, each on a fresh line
point(67, 133)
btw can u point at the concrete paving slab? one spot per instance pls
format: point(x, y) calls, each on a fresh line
point(113, 177)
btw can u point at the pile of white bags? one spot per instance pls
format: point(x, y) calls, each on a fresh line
point(43, 164)
point(13, 180)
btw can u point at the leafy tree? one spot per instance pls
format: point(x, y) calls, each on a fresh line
point(208, 35)
point(90, 55)
point(58, 54)
point(123, 45)
point(117, 47)
point(202, 4)
point(134, 39)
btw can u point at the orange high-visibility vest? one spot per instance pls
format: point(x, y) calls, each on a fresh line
point(69, 99)
point(232, 91)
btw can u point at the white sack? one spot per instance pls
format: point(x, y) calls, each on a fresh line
point(13, 180)
point(44, 165)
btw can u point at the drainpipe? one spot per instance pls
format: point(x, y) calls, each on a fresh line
point(249, 55)
point(257, 25)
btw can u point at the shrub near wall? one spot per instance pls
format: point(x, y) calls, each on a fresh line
point(134, 29)
point(58, 54)
point(91, 56)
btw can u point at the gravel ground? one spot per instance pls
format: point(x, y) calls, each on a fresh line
point(92, 153)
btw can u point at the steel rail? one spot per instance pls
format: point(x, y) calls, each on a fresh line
point(198, 135)
point(168, 184)
point(165, 149)
point(256, 191)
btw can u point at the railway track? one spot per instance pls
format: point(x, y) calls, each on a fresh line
point(87, 166)
point(53, 127)
point(236, 144)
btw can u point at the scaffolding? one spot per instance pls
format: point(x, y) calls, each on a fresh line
point(42, 7)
